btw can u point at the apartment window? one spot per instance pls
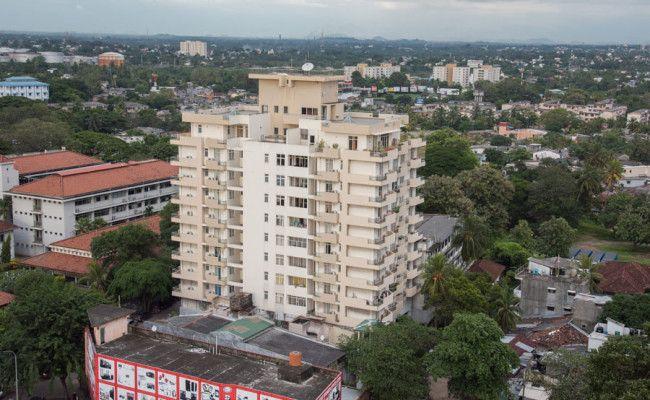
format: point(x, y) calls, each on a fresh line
point(266, 276)
point(280, 159)
point(297, 281)
point(279, 279)
point(297, 182)
point(200, 128)
point(279, 180)
point(279, 200)
point(265, 108)
point(279, 220)
point(297, 242)
point(279, 298)
point(279, 259)
point(550, 308)
point(102, 335)
point(276, 131)
point(551, 290)
point(266, 158)
point(266, 256)
point(266, 295)
point(286, 110)
point(266, 237)
point(279, 240)
point(296, 301)
point(266, 178)
point(297, 262)
point(276, 109)
point(352, 142)
point(298, 161)
point(297, 222)
point(299, 202)
point(266, 217)
point(266, 197)
point(571, 292)
point(309, 111)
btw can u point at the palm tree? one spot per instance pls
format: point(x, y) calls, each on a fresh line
point(5, 208)
point(506, 311)
point(589, 271)
point(434, 275)
point(589, 184)
point(613, 173)
point(97, 276)
point(473, 235)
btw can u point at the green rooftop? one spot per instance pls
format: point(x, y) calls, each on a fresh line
point(247, 328)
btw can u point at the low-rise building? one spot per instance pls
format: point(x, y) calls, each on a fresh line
point(437, 233)
point(23, 168)
point(492, 269)
point(46, 210)
point(604, 330)
point(640, 116)
point(72, 257)
point(587, 309)
point(549, 286)
point(624, 278)
point(146, 364)
point(635, 175)
point(25, 86)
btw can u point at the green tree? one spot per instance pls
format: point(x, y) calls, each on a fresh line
point(590, 184)
point(506, 310)
point(448, 154)
point(496, 157)
point(33, 134)
point(490, 192)
point(619, 369)
point(615, 205)
point(388, 359)
point(589, 272)
point(634, 225)
point(553, 194)
point(167, 227)
point(357, 79)
point(85, 225)
point(44, 326)
point(558, 120)
point(473, 234)
point(457, 294)
point(523, 234)
point(443, 195)
point(98, 276)
point(471, 355)
point(5, 255)
point(434, 276)
point(633, 310)
point(510, 254)
point(500, 140)
point(555, 237)
point(129, 243)
point(569, 368)
point(147, 281)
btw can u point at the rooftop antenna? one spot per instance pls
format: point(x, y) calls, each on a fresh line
point(307, 67)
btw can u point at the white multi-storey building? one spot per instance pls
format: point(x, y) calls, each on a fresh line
point(194, 48)
point(474, 71)
point(46, 210)
point(383, 70)
point(309, 209)
point(25, 86)
point(461, 76)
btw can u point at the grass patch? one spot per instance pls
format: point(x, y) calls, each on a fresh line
point(587, 227)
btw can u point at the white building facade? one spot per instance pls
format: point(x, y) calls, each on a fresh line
point(194, 48)
point(25, 86)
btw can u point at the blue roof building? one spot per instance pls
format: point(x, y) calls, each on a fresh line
point(25, 86)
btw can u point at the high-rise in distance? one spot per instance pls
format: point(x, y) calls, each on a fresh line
point(310, 209)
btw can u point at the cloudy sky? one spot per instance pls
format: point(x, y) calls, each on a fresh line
point(591, 21)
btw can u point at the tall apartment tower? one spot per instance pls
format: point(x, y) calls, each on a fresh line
point(194, 48)
point(308, 208)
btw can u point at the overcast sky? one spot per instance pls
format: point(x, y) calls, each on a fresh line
point(591, 21)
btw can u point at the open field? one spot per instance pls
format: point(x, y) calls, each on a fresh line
point(593, 236)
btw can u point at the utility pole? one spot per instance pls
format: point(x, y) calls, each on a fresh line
point(15, 367)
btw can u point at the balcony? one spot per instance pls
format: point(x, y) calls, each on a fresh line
point(235, 222)
point(324, 277)
point(326, 258)
point(412, 291)
point(415, 182)
point(327, 176)
point(235, 164)
point(327, 217)
point(416, 163)
point(330, 197)
point(214, 164)
point(214, 222)
point(324, 152)
point(326, 237)
point(235, 183)
point(212, 182)
point(186, 161)
point(330, 298)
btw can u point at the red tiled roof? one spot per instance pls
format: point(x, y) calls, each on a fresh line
point(556, 337)
point(66, 264)
point(83, 241)
point(6, 226)
point(6, 298)
point(489, 267)
point(624, 277)
point(99, 178)
point(50, 161)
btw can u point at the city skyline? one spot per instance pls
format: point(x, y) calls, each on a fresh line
point(572, 21)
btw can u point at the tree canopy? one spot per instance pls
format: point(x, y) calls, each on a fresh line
point(448, 154)
point(131, 242)
point(147, 281)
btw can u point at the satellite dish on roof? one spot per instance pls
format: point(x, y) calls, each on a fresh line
point(306, 67)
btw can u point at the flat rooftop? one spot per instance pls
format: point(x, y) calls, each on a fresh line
point(298, 77)
point(193, 361)
point(283, 342)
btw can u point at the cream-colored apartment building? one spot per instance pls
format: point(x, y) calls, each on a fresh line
point(194, 48)
point(308, 208)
